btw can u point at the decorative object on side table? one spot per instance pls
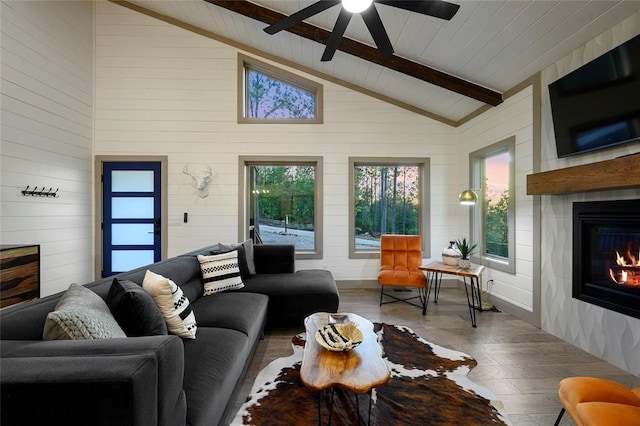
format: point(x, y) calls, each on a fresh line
point(339, 337)
point(450, 255)
point(466, 249)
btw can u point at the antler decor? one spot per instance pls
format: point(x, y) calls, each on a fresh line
point(201, 179)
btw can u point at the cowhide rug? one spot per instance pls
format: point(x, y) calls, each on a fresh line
point(428, 386)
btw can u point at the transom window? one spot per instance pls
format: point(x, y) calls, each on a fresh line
point(271, 95)
point(493, 216)
point(387, 196)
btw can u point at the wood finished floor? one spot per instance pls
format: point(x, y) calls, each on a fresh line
point(520, 363)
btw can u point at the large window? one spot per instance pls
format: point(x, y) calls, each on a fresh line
point(387, 196)
point(271, 95)
point(282, 203)
point(493, 216)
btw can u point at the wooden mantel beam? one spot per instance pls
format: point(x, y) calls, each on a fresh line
point(368, 53)
point(618, 173)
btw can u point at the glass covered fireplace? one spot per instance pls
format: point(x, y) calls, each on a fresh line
point(606, 254)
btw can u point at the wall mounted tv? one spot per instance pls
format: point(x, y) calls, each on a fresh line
point(598, 105)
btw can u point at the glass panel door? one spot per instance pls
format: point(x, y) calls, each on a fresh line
point(131, 215)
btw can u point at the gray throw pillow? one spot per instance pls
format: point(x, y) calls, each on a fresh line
point(248, 252)
point(81, 314)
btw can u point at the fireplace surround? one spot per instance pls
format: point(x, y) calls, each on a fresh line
point(606, 254)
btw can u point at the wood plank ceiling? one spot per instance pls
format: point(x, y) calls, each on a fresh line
point(443, 69)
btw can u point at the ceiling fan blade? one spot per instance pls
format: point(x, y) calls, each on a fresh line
point(301, 15)
point(376, 28)
point(438, 8)
point(336, 34)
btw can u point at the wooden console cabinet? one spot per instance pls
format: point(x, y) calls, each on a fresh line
point(19, 274)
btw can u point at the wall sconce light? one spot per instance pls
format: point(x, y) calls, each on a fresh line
point(468, 197)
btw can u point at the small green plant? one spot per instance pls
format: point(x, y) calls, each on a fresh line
point(465, 248)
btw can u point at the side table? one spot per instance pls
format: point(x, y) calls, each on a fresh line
point(434, 272)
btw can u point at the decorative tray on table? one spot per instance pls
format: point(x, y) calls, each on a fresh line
point(339, 337)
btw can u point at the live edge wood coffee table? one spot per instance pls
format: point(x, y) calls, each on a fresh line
point(359, 370)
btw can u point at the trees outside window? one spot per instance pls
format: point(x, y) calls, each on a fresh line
point(496, 204)
point(271, 95)
point(282, 202)
point(387, 197)
point(269, 98)
point(493, 217)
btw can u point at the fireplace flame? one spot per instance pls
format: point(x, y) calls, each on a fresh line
point(633, 261)
point(627, 271)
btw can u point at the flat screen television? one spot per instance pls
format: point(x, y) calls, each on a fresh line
point(598, 105)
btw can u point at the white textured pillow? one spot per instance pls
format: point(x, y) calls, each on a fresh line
point(81, 314)
point(173, 304)
point(220, 272)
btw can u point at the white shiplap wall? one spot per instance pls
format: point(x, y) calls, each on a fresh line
point(163, 90)
point(512, 118)
point(47, 134)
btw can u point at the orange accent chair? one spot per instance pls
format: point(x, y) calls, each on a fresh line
point(598, 402)
point(400, 256)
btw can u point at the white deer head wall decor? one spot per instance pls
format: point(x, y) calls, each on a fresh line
point(201, 179)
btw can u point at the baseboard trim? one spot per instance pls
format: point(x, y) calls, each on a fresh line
point(499, 303)
point(373, 284)
point(512, 309)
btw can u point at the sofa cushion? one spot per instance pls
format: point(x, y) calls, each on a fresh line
point(220, 272)
point(81, 314)
point(245, 312)
point(247, 246)
point(275, 258)
point(173, 304)
point(213, 365)
point(292, 297)
point(182, 270)
point(135, 310)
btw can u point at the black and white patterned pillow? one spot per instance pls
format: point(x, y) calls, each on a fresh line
point(220, 272)
point(173, 304)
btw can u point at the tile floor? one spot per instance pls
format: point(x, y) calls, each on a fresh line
point(520, 363)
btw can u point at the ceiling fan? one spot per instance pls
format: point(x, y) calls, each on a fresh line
point(367, 9)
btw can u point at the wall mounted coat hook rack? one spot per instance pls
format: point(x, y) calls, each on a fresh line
point(49, 193)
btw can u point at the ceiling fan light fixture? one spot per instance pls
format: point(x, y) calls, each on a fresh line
point(356, 6)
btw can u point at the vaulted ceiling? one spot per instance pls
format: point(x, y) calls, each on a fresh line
point(444, 69)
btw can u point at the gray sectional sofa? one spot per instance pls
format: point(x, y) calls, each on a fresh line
point(159, 379)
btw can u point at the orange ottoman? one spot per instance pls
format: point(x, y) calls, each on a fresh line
point(595, 401)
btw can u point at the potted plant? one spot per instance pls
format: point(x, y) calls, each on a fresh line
point(466, 249)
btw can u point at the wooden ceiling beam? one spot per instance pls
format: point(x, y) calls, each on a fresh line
point(368, 53)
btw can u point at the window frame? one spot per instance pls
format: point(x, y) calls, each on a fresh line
point(477, 214)
point(246, 63)
point(244, 202)
point(424, 224)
